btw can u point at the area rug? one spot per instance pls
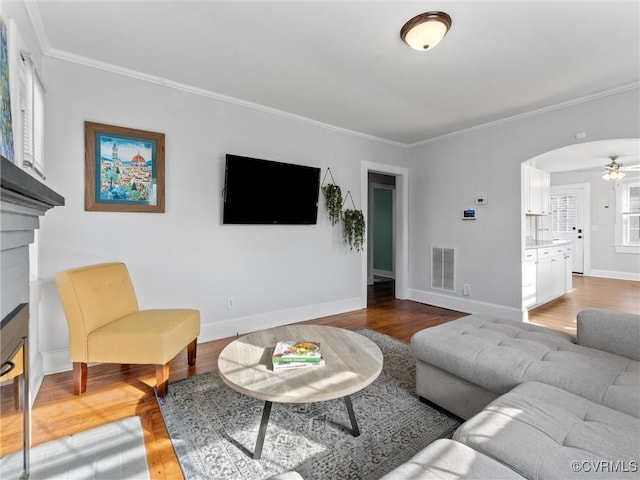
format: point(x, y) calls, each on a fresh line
point(214, 429)
point(112, 451)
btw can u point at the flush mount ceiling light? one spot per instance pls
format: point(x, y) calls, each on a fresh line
point(613, 169)
point(425, 31)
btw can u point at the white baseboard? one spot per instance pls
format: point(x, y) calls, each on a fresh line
point(242, 325)
point(384, 273)
point(56, 361)
point(465, 305)
point(614, 275)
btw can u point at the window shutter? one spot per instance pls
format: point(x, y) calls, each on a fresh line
point(26, 109)
point(32, 109)
point(38, 125)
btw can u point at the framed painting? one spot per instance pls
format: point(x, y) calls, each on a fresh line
point(124, 169)
point(6, 131)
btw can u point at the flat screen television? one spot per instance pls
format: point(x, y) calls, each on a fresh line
point(265, 192)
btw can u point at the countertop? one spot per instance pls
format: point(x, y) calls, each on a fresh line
point(553, 243)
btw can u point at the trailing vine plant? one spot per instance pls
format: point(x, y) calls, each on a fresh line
point(333, 202)
point(353, 226)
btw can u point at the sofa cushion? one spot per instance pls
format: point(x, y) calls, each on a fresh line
point(544, 432)
point(500, 354)
point(449, 460)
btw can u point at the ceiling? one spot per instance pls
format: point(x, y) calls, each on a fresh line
point(342, 63)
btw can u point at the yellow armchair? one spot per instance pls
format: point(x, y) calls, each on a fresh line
point(106, 325)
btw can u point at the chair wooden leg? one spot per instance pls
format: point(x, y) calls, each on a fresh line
point(191, 352)
point(162, 379)
point(79, 378)
point(17, 391)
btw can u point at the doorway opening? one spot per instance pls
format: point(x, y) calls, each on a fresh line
point(385, 260)
point(381, 228)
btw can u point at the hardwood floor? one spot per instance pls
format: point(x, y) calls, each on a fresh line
point(587, 292)
point(115, 392)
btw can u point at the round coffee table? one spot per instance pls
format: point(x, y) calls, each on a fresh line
point(352, 362)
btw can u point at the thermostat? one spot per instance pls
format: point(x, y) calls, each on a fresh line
point(468, 214)
point(481, 200)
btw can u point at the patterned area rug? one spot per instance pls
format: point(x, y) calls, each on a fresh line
point(214, 429)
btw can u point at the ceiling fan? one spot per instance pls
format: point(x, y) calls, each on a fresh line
point(614, 170)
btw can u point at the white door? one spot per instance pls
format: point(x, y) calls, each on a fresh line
point(567, 220)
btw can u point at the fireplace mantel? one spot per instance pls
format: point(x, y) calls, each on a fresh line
point(23, 199)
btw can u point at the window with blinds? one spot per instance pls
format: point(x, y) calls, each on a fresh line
point(564, 213)
point(631, 214)
point(32, 110)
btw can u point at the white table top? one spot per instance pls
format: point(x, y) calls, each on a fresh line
point(352, 362)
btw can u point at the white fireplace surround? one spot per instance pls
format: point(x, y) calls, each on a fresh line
point(23, 199)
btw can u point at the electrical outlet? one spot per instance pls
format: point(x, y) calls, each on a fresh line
point(466, 289)
point(231, 303)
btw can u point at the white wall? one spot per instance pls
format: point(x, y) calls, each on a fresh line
point(605, 261)
point(185, 257)
point(448, 173)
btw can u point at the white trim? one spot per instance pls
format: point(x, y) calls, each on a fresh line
point(465, 305)
point(532, 113)
point(633, 249)
point(108, 67)
point(401, 261)
point(615, 275)
point(33, 11)
point(383, 273)
point(55, 361)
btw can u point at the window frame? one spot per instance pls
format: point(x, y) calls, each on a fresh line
point(623, 189)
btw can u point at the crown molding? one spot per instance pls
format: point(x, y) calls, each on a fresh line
point(532, 113)
point(33, 11)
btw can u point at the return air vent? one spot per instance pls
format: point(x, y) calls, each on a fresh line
point(442, 268)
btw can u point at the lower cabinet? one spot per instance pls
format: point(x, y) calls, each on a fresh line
point(546, 274)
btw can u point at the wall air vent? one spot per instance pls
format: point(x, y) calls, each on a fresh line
point(443, 268)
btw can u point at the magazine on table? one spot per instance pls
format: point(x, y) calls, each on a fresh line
point(296, 354)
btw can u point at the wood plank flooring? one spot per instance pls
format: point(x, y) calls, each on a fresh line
point(115, 392)
point(587, 292)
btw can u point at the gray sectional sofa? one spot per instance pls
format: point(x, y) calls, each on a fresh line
point(537, 404)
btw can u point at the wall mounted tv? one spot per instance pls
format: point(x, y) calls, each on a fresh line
point(266, 192)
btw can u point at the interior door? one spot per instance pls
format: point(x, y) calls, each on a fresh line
point(567, 220)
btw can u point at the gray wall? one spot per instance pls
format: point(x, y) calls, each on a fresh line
point(448, 173)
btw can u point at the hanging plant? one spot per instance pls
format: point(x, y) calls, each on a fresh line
point(354, 225)
point(333, 202)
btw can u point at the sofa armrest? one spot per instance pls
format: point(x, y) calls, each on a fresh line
point(610, 331)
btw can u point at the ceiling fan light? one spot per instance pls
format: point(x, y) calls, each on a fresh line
point(426, 30)
point(614, 175)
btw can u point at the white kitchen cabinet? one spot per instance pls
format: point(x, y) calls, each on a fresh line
point(529, 273)
point(536, 188)
point(552, 272)
point(568, 267)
